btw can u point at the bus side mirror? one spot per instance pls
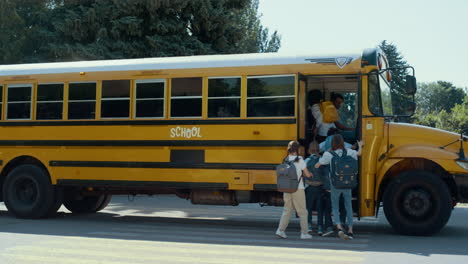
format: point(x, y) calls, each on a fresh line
point(411, 108)
point(410, 87)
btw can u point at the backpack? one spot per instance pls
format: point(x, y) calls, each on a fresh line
point(343, 173)
point(286, 177)
point(317, 178)
point(329, 112)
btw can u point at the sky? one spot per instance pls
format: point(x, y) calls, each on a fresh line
point(431, 35)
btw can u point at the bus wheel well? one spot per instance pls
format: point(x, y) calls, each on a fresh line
point(417, 164)
point(21, 160)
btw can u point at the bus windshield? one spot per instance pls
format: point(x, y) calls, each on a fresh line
point(380, 95)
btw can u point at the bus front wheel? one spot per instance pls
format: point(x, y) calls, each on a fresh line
point(28, 192)
point(417, 203)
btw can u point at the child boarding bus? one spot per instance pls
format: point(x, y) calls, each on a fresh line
point(212, 129)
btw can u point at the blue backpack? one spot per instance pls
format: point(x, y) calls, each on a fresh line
point(318, 176)
point(343, 171)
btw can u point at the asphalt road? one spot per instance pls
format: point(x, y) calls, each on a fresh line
point(166, 229)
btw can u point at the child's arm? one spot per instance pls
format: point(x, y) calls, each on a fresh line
point(360, 144)
point(307, 173)
point(324, 160)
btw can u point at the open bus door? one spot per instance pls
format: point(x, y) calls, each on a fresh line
point(302, 111)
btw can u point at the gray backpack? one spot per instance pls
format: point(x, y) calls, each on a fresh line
point(286, 177)
point(344, 171)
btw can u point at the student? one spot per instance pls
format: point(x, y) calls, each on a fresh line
point(314, 119)
point(323, 128)
point(295, 200)
point(314, 190)
point(337, 147)
point(347, 132)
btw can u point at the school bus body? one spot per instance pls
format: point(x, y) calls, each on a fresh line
point(209, 160)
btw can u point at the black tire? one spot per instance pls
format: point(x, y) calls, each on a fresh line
point(57, 202)
point(28, 192)
point(79, 204)
point(417, 203)
point(105, 202)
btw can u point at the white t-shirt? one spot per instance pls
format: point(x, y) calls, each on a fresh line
point(300, 165)
point(322, 127)
point(327, 156)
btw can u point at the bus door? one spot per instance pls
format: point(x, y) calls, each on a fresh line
point(302, 110)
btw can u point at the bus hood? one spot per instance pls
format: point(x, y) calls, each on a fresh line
point(410, 140)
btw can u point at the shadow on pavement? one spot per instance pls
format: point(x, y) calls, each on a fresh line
point(255, 228)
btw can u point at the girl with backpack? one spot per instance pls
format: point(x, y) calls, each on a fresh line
point(295, 200)
point(337, 150)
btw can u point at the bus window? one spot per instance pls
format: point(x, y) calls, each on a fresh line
point(149, 99)
point(186, 97)
point(375, 103)
point(348, 110)
point(224, 97)
point(49, 101)
point(82, 100)
point(115, 101)
point(386, 95)
point(19, 101)
point(270, 96)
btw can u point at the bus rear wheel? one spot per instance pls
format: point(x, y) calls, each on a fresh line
point(417, 203)
point(28, 192)
point(86, 204)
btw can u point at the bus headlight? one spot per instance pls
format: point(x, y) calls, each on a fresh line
point(463, 164)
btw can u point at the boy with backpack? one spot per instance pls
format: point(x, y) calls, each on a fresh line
point(343, 176)
point(288, 174)
point(316, 192)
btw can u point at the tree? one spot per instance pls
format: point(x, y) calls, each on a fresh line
point(441, 105)
point(64, 30)
point(12, 32)
point(400, 100)
point(438, 96)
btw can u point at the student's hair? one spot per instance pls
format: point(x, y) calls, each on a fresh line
point(314, 147)
point(314, 96)
point(293, 147)
point(335, 96)
point(337, 142)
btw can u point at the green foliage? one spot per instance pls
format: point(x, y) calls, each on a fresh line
point(438, 96)
point(438, 104)
point(441, 105)
point(400, 100)
point(67, 30)
point(12, 32)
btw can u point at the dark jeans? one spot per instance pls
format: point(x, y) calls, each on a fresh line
point(314, 201)
point(320, 200)
point(327, 209)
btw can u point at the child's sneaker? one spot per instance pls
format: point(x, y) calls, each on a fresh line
point(350, 235)
point(319, 231)
point(328, 232)
point(342, 235)
point(306, 236)
point(281, 234)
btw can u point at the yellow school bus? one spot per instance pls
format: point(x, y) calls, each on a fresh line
point(212, 129)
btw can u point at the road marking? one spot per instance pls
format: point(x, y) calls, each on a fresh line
point(90, 250)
